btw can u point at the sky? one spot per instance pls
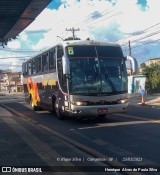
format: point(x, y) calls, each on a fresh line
point(116, 21)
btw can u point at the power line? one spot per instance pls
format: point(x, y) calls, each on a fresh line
point(92, 19)
point(60, 37)
point(15, 57)
point(139, 33)
point(96, 20)
point(107, 17)
point(10, 65)
point(142, 44)
point(98, 16)
point(151, 26)
point(12, 50)
point(142, 38)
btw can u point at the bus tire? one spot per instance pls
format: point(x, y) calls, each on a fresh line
point(53, 107)
point(35, 108)
point(59, 113)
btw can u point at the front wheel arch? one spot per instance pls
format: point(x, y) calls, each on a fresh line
point(53, 106)
point(35, 108)
point(59, 113)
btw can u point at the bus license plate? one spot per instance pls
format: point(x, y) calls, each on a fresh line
point(102, 110)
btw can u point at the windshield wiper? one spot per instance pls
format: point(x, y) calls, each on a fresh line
point(74, 86)
point(110, 82)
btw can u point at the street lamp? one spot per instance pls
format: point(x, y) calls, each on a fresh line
point(60, 38)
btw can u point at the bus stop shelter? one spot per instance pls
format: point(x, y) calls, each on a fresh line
point(16, 15)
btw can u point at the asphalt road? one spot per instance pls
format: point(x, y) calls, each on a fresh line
point(124, 139)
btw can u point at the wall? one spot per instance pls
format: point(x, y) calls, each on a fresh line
point(135, 83)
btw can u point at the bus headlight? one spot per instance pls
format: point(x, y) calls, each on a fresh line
point(122, 101)
point(79, 103)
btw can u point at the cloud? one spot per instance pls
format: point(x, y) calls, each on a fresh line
point(96, 15)
point(9, 63)
point(29, 32)
point(106, 20)
point(71, 14)
point(109, 33)
point(97, 19)
point(101, 20)
point(14, 44)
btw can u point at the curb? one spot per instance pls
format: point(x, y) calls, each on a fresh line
point(144, 105)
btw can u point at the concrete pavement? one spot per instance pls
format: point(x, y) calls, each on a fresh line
point(14, 136)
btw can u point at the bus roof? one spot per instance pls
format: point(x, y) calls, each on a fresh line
point(77, 43)
point(88, 43)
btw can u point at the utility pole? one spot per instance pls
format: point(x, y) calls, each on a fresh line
point(130, 55)
point(73, 31)
point(130, 48)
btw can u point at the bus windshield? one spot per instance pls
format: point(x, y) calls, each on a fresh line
point(93, 71)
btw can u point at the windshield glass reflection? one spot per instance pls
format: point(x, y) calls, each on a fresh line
point(97, 75)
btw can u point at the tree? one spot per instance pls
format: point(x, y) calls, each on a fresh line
point(142, 65)
point(152, 73)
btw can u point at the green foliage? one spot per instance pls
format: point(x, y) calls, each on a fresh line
point(142, 65)
point(152, 73)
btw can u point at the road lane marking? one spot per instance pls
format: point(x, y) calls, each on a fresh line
point(131, 116)
point(119, 124)
point(156, 121)
point(145, 120)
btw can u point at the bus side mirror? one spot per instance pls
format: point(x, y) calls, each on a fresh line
point(65, 63)
point(134, 64)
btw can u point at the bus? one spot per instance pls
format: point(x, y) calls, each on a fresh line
point(77, 78)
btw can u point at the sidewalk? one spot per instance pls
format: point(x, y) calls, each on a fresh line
point(3, 93)
point(152, 101)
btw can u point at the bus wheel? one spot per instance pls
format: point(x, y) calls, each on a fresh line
point(59, 113)
point(35, 108)
point(53, 107)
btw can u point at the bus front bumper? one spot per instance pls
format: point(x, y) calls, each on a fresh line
point(97, 110)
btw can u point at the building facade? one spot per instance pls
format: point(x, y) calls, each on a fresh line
point(153, 61)
point(11, 82)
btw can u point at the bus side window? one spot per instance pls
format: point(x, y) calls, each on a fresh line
point(34, 66)
point(52, 60)
point(60, 52)
point(62, 79)
point(29, 68)
point(39, 64)
point(45, 63)
point(24, 69)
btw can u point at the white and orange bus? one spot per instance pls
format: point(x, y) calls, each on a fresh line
point(77, 78)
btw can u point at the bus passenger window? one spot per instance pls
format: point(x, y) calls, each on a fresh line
point(59, 52)
point(24, 69)
point(44, 63)
point(38, 64)
point(52, 60)
point(33, 66)
point(29, 68)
